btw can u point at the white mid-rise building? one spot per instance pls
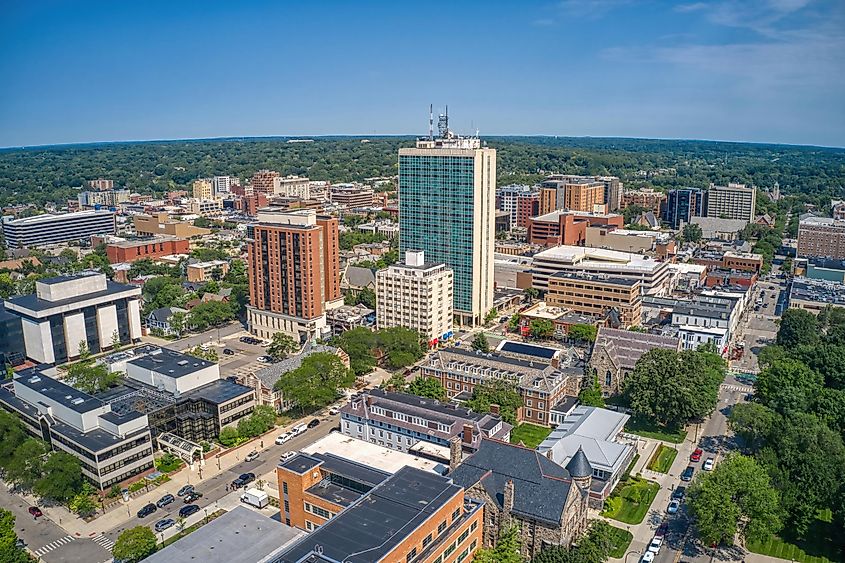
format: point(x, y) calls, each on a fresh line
point(416, 295)
point(224, 184)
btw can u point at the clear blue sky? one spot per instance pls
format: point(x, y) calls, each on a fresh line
point(756, 70)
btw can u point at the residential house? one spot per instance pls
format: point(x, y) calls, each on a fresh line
point(159, 319)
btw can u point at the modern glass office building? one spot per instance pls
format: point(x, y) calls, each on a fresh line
point(447, 200)
point(682, 205)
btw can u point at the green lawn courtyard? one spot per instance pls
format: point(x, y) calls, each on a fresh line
point(648, 429)
point(820, 545)
point(620, 540)
point(630, 501)
point(662, 459)
point(529, 434)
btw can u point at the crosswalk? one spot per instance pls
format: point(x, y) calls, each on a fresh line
point(103, 542)
point(53, 545)
point(740, 388)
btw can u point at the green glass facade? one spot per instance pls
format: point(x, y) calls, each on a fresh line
point(436, 198)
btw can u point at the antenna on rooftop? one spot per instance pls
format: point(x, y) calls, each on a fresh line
point(430, 122)
point(443, 123)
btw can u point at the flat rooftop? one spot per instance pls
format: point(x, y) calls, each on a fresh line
point(170, 362)
point(373, 455)
point(380, 520)
point(239, 535)
point(597, 278)
point(31, 302)
point(47, 217)
point(58, 391)
point(579, 256)
point(219, 391)
point(132, 243)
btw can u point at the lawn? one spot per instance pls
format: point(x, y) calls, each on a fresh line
point(662, 459)
point(820, 545)
point(630, 500)
point(648, 429)
point(168, 463)
point(620, 540)
point(529, 434)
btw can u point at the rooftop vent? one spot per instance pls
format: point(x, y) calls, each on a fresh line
point(183, 362)
point(78, 401)
point(34, 379)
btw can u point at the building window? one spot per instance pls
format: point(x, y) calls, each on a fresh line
point(411, 555)
point(426, 541)
point(285, 487)
point(441, 527)
point(608, 378)
point(456, 514)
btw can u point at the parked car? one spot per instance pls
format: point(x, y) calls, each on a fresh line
point(696, 455)
point(35, 511)
point(186, 511)
point(679, 493)
point(193, 496)
point(298, 429)
point(243, 480)
point(655, 544)
point(163, 524)
point(708, 465)
point(20, 544)
point(333, 411)
point(673, 507)
point(146, 510)
point(282, 438)
point(228, 351)
point(687, 474)
point(265, 359)
point(314, 423)
point(184, 490)
point(286, 456)
point(251, 456)
point(165, 500)
point(662, 530)
point(647, 557)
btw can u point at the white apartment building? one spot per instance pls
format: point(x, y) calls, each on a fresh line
point(734, 201)
point(415, 295)
point(223, 184)
point(292, 186)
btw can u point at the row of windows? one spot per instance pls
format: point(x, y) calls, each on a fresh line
point(127, 461)
point(317, 511)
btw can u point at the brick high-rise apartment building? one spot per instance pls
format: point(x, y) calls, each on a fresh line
point(263, 181)
point(294, 272)
point(821, 237)
point(584, 195)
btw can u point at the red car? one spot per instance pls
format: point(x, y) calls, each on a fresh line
point(696, 455)
point(35, 511)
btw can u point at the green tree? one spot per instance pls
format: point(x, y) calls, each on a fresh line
point(134, 544)
point(753, 423)
point(491, 315)
point(479, 342)
point(177, 322)
point(672, 388)
point(12, 435)
point(7, 285)
point(594, 547)
point(210, 314)
point(531, 293)
point(513, 322)
point(506, 549)
point(541, 328)
point(358, 343)
point(281, 346)
point(496, 392)
point(583, 333)
point(591, 396)
point(25, 467)
point(797, 327)
point(738, 491)
point(427, 387)
point(9, 551)
point(262, 419)
point(228, 436)
point(316, 382)
point(209, 354)
point(401, 346)
point(788, 386)
point(61, 477)
point(365, 297)
point(692, 233)
point(396, 383)
point(90, 376)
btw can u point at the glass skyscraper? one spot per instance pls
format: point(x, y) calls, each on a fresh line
point(447, 200)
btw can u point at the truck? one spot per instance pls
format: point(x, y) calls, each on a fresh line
point(256, 498)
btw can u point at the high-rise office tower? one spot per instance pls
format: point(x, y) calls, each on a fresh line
point(447, 201)
point(682, 205)
point(734, 201)
point(224, 184)
point(294, 272)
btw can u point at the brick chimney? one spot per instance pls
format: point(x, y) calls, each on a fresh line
point(494, 409)
point(455, 453)
point(507, 501)
point(467, 434)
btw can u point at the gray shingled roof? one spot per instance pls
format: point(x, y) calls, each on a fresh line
point(627, 346)
point(357, 277)
point(271, 374)
point(540, 485)
point(579, 466)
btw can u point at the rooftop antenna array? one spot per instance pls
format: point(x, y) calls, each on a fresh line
point(430, 122)
point(443, 123)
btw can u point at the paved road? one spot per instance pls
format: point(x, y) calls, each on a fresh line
point(207, 337)
point(47, 539)
point(215, 488)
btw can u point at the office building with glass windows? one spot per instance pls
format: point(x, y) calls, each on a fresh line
point(447, 204)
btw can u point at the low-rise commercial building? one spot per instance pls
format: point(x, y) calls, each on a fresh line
point(347, 317)
point(298, 187)
point(598, 434)
point(400, 421)
point(815, 295)
point(416, 295)
point(351, 196)
point(412, 515)
point(139, 249)
point(568, 227)
point(162, 224)
point(68, 311)
point(41, 230)
point(594, 294)
point(205, 207)
point(821, 237)
point(625, 240)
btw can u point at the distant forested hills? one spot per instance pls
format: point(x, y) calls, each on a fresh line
point(42, 174)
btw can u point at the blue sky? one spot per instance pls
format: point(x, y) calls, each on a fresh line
point(746, 70)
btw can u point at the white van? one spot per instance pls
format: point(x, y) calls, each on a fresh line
point(298, 429)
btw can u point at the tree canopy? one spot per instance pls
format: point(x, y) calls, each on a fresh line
point(316, 382)
point(281, 346)
point(134, 544)
point(427, 387)
point(496, 392)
